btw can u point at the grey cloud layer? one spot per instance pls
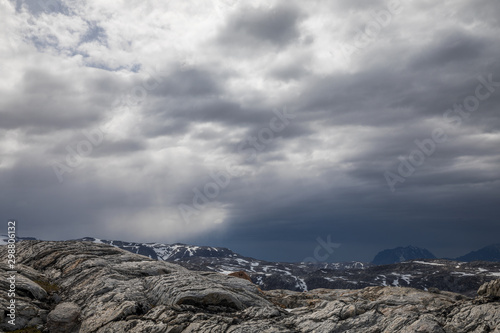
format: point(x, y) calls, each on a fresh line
point(166, 131)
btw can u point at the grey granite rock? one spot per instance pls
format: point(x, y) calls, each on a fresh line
point(104, 289)
point(490, 289)
point(64, 318)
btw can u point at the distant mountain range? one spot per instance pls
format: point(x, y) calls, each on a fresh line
point(403, 266)
point(268, 275)
point(488, 253)
point(168, 252)
point(178, 251)
point(402, 254)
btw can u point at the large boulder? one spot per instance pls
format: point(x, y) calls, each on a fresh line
point(64, 318)
point(490, 289)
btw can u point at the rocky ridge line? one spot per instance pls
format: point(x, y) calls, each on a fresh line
point(86, 287)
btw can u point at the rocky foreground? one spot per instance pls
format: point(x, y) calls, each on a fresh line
point(87, 287)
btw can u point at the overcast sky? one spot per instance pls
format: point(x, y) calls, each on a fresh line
point(269, 127)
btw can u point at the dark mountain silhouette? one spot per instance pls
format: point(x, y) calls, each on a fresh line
point(400, 254)
point(488, 253)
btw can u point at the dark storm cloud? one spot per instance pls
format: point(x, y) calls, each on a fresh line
point(384, 96)
point(54, 100)
point(188, 82)
point(358, 5)
point(480, 12)
point(404, 98)
point(322, 174)
point(111, 148)
point(257, 27)
point(214, 110)
point(289, 72)
point(422, 214)
point(185, 98)
point(71, 207)
point(451, 47)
